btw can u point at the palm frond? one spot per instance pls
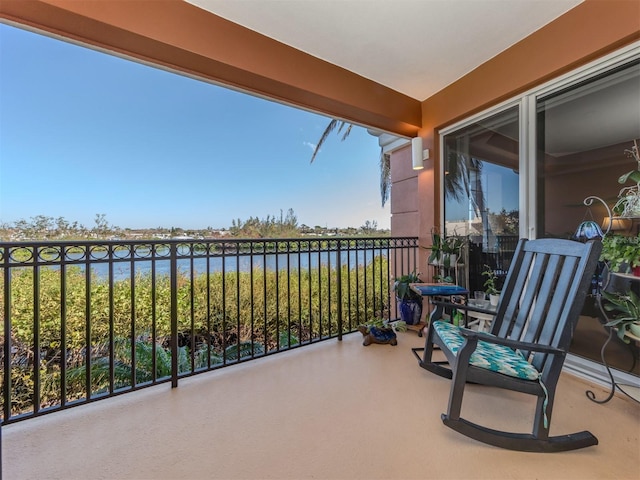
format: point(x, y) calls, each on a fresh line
point(347, 131)
point(457, 184)
point(385, 176)
point(327, 131)
point(385, 163)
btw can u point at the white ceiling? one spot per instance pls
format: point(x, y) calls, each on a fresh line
point(416, 47)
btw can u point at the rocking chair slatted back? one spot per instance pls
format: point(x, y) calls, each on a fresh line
point(534, 307)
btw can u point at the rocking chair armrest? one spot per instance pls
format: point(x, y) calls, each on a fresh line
point(515, 344)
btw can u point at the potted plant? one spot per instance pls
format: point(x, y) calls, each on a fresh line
point(437, 278)
point(628, 204)
point(451, 250)
point(621, 253)
point(435, 258)
point(490, 285)
point(627, 320)
point(409, 301)
point(381, 331)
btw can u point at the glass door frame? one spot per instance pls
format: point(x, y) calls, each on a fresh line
point(522, 152)
point(527, 103)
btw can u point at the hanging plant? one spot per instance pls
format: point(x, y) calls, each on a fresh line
point(628, 204)
point(627, 317)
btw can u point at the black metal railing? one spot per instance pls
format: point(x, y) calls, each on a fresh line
point(497, 258)
point(84, 321)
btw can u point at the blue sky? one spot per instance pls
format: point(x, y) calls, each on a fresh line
point(85, 133)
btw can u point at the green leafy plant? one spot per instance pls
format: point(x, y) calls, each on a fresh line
point(436, 248)
point(443, 278)
point(628, 307)
point(451, 245)
point(490, 283)
point(443, 247)
point(398, 325)
point(633, 175)
point(402, 287)
point(219, 319)
point(628, 204)
point(620, 252)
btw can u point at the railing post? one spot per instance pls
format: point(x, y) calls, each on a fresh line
point(339, 288)
point(7, 384)
point(173, 274)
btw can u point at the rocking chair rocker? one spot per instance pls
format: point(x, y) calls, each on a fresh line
point(541, 300)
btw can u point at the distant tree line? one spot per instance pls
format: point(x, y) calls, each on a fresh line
point(270, 227)
point(42, 227)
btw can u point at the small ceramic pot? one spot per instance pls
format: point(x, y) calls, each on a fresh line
point(494, 299)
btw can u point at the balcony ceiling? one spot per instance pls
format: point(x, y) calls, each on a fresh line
point(416, 47)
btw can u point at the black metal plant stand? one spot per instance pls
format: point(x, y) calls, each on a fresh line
point(612, 331)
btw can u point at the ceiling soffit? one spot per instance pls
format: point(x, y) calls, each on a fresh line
point(181, 37)
point(416, 47)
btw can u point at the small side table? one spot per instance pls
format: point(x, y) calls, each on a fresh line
point(481, 318)
point(431, 290)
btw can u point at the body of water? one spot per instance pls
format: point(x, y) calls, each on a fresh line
point(124, 266)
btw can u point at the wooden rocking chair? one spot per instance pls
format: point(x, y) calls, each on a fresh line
point(540, 304)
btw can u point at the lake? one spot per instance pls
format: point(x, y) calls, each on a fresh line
point(122, 266)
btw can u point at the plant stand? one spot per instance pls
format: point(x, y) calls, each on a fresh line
point(631, 391)
point(418, 328)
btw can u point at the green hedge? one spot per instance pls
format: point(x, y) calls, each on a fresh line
point(220, 318)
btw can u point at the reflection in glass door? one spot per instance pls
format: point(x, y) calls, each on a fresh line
point(481, 191)
point(583, 132)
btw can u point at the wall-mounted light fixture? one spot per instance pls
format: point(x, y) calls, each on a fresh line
point(418, 155)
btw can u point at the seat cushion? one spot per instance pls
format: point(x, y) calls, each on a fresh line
point(489, 356)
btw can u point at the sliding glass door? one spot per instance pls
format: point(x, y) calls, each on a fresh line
point(481, 192)
point(525, 170)
point(584, 131)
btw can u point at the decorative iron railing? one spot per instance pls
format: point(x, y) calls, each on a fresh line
point(84, 321)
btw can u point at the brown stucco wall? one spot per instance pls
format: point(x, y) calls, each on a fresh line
point(585, 33)
point(404, 206)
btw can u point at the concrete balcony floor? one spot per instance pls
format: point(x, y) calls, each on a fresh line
point(334, 410)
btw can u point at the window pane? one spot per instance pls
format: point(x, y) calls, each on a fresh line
point(481, 191)
point(583, 132)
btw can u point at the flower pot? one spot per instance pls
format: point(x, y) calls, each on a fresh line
point(435, 260)
point(449, 260)
point(410, 311)
point(494, 299)
point(636, 271)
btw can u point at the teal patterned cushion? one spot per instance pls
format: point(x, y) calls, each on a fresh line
point(489, 356)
